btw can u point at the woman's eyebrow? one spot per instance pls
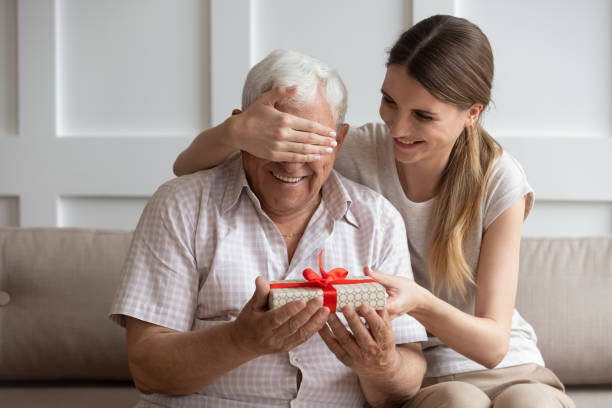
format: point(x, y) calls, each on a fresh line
point(423, 111)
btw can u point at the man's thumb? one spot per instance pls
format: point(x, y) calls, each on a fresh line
point(260, 297)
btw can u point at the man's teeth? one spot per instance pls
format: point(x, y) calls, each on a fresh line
point(287, 179)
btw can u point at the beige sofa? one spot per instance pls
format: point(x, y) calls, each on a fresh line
point(58, 349)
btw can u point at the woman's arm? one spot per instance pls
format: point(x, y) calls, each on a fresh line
point(485, 336)
point(261, 130)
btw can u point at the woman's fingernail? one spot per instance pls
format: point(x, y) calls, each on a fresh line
point(329, 150)
point(334, 143)
point(292, 88)
point(316, 157)
point(332, 134)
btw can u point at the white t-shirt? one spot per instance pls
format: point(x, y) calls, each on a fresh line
point(367, 158)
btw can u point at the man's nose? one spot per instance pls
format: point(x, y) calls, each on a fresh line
point(291, 167)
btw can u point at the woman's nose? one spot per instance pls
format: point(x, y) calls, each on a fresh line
point(401, 126)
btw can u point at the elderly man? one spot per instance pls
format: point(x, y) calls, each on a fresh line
point(208, 241)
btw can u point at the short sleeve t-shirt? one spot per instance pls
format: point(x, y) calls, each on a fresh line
point(367, 157)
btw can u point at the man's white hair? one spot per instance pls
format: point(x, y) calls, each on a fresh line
point(289, 68)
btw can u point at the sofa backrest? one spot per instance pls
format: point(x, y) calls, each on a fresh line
point(61, 283)
point(565, 292)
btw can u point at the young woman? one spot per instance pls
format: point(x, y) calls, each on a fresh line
point(462, 198)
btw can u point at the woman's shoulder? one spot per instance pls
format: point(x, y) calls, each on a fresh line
point(368, 133)
point(363, 143)
point(506, 185)
point(362, 154)
point(507, 173)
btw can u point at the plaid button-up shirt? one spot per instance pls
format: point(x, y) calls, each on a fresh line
point(201, 242)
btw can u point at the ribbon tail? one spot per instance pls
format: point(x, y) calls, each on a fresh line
point(323, 274)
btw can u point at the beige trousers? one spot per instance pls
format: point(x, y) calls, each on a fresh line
point(524, 386)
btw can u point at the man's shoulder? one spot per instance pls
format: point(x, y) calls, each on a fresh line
point(203, 182)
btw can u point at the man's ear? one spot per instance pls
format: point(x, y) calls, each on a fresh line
point(341, 133)
point(236, 112)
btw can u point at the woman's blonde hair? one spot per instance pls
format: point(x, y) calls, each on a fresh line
point(451, 58)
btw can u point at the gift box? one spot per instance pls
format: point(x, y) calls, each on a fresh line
point(335, 287)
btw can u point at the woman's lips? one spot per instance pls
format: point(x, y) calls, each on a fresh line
point(406, 144)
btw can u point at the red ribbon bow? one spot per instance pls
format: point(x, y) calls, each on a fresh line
point(324, 281)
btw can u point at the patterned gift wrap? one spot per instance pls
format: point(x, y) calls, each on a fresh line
point(354, 294)
point(336, 289)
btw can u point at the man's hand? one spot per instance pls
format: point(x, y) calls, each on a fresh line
point(259, 331)
point(388, 373)
point(369, 350)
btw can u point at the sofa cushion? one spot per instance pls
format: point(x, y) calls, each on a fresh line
point(61, 283)
point(564, 291)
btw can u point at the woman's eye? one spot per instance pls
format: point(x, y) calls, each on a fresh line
point(423, 117)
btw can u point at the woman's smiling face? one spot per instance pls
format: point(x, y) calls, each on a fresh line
point(423, 127)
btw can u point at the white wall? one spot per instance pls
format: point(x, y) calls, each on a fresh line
point(98, 97)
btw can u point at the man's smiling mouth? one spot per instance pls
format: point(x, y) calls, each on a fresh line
point(287, 179)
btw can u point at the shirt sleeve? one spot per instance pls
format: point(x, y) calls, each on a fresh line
point(159, 279)
point(507, 184)
point(395, 260)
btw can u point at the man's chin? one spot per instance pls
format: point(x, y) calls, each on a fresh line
point(286, 207)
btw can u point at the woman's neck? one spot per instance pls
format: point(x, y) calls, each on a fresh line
point(420, 180)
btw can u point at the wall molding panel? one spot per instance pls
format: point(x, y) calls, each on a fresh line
point(570, 171)
point(39, 167)
point(80, 135)
point(9, 211)
point(9, 116)
point(98, 211)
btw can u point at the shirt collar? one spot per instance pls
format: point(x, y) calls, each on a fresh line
point(333, 193)
point(337, 199)
point(236, 181)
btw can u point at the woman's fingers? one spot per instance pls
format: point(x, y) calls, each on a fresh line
point(311, 139)
point(277, 94)
point(395, 287)
point(277, 156)
point(388, 281)
point(314, 128)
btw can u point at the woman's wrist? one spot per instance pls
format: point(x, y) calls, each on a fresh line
point(423, 302)
point(227, 136)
